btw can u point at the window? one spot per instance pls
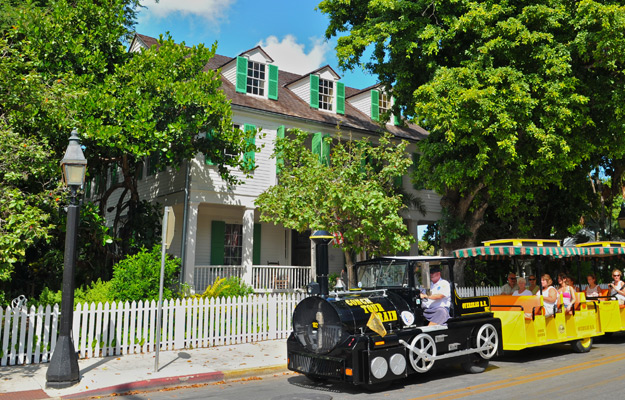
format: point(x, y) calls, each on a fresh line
point(256, 78)
point(233, 248)
point(251, 77)
point(326, 94)
point(385, 103)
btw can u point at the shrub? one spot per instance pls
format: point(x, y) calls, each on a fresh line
point(47, 296)
point(227, 287)
point(137, 277)
point(97, 292)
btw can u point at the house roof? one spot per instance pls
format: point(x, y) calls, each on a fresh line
point(292, 106)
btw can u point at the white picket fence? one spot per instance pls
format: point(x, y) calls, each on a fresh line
point(28, 335)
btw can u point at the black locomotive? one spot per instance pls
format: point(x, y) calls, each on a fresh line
point(376, 333)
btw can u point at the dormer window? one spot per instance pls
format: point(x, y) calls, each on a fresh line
point(256, 78)
point(326, 94)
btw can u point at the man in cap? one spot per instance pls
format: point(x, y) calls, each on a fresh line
point(436, 304)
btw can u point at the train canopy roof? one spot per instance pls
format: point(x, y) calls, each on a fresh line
point(532, 248)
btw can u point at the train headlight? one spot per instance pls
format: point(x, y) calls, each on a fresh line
point(397, 364)
point(379, 367)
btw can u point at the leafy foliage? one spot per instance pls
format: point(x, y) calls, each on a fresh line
point(65, 64)
point(137, 277)
point(354, 195)
point(226, 287)
point(517, 96)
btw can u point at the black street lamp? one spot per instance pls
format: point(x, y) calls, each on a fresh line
point(63, 369)
point(621, 217)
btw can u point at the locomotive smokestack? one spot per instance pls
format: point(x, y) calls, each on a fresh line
point(322, 239)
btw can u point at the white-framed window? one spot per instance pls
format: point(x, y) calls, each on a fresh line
point(233, 244)
point(384, 103)
point(326, 94)
point(256, 78)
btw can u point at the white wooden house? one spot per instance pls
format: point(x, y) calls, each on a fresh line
point(217, 229)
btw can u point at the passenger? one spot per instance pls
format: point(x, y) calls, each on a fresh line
point(592, 290)
point(436, 305)
point(522, 290)
point(533, 287)
point(568, 293)
point(549, 294)
point(617, 287)
point(511, 286)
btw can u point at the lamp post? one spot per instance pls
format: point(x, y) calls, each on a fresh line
point(63, 369)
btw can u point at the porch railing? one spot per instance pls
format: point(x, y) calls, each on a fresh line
point(265, 278)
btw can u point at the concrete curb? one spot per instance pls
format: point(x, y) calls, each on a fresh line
point(186, 380)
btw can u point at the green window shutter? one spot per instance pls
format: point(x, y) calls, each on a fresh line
point(279, 159)
point(398, 181)
point(139, 171)
point(218, 246)
point(209, 136)
point(375, 105)
point(314, 91)
point(241, 85)
point(273, 82)
point(249, 158)
point(321, 147)
point(256, 246)
point(340, 98)
point(396, 118)
point(114, 173)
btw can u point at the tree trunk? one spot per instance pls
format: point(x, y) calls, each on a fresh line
point(460, 209)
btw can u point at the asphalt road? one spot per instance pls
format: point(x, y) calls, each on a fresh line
point(549, 373)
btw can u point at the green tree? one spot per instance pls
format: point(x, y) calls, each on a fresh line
point(65, 64)
point(516, 95)
point(353, 193)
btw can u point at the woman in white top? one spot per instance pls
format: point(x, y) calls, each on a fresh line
point(522, 290)
point(549, 293)
point(617, 286)
point(592, 290)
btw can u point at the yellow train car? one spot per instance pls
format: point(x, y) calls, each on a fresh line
point(524, 319)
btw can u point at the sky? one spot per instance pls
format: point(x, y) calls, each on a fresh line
point(292, 32)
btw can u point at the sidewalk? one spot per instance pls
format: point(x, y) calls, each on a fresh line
point(101, 376)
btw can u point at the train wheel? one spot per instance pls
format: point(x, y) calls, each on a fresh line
point(582, 345)
point(422, 352)
point(488, 338)
point(477, 365)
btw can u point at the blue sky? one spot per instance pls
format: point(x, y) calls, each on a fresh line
point(291, 31)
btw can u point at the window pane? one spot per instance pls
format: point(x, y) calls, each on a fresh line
point(326, 94)
point(256, 78)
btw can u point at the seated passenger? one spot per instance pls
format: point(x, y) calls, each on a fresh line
point(616, 287)
point(511, 286)
point(568, 293)
point(549, 294)
point(592, 290)
point(436, 305)
point(533, 287)
point(522, 290)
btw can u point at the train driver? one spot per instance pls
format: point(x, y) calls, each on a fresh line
point(436, 304)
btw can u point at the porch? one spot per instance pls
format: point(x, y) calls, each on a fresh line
point(263, 279)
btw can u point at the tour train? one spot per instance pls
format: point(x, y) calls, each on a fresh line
point(376, 333)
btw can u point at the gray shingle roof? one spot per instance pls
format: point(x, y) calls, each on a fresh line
point(290, 105)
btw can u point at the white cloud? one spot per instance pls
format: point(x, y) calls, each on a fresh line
point(210, 9)
point(290, 55)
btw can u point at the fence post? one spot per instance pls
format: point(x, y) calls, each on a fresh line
point(179, 324)
point(272, 317)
